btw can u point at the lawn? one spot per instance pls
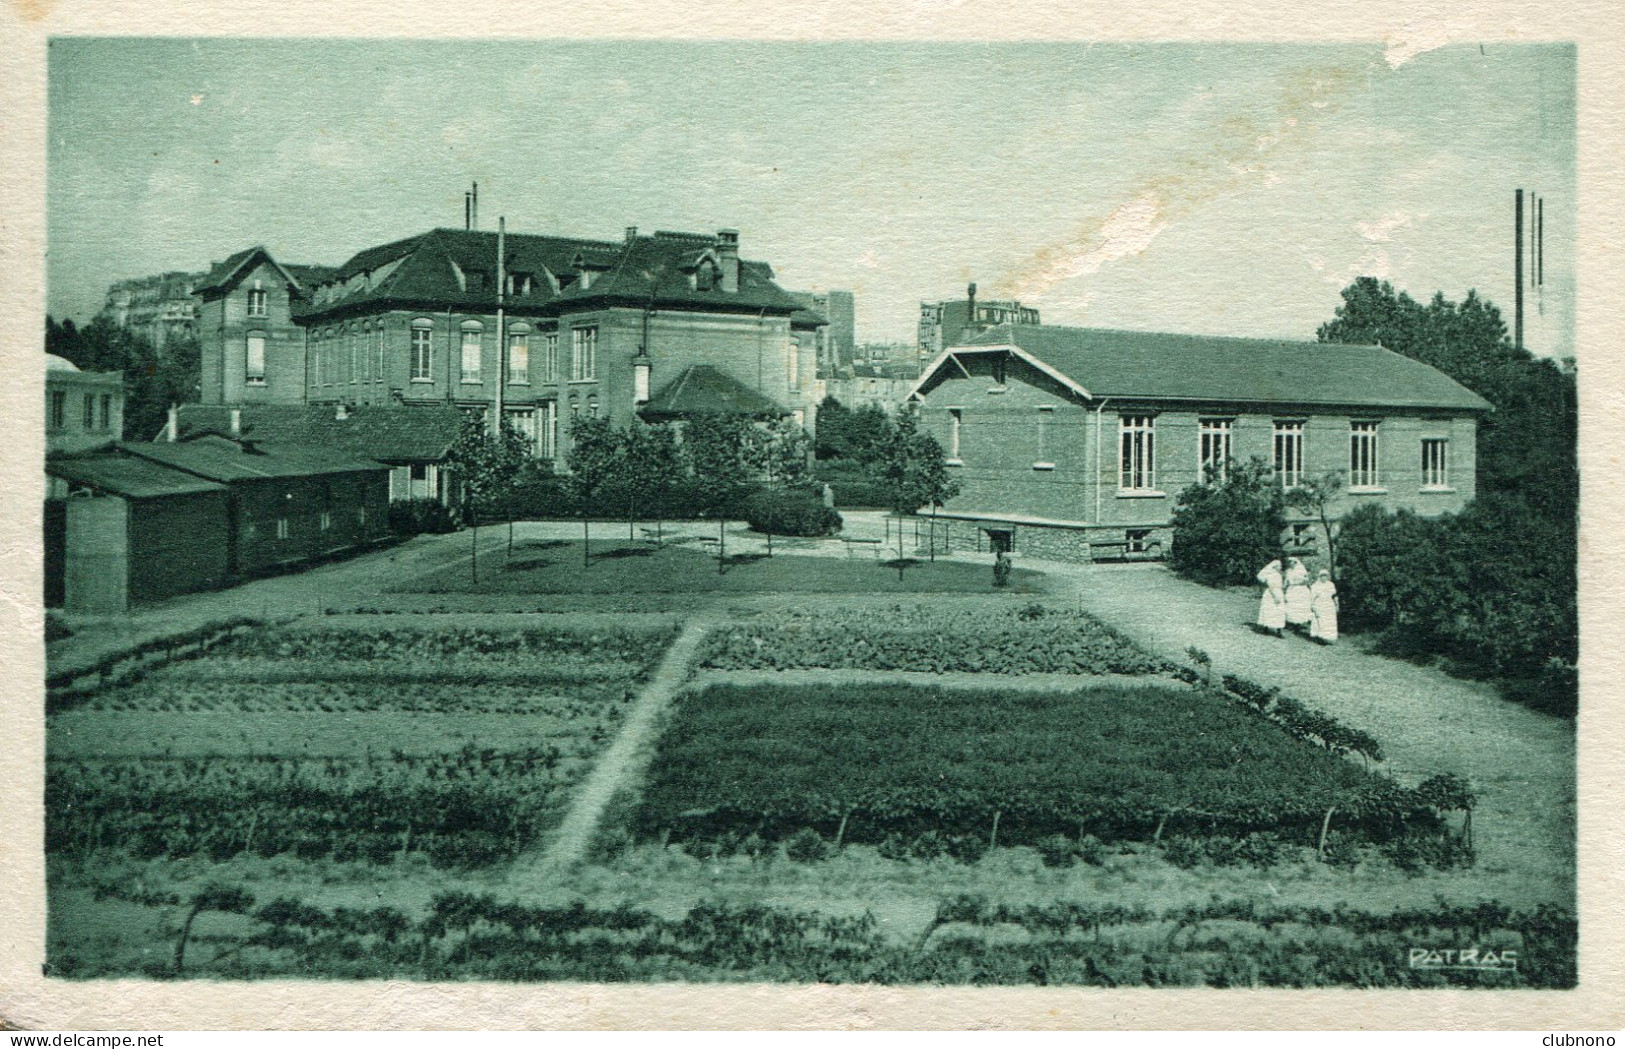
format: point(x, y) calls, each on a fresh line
point(865, 763)
point(620, 567)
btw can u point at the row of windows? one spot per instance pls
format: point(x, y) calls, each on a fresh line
point(324, 522)
point(1137, 460)
point(347, 357)
point(91, 419)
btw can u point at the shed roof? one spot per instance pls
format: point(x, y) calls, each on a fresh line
point(225, 460)
point(126, 475)
point(701, 389)
point(389, 433)
point(1161, 366)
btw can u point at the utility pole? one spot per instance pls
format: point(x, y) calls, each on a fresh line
point(502, 334)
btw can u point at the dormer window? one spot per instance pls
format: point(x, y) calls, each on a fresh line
point(256, 302)
point(705, 276)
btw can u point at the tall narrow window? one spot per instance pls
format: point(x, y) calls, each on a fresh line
point(1046, 419)
point(592, 407)
point(550, 357)
point(792, 365)
point(90, 411)
point(282, 528)
point(353, 351)
point(1137, 443)
point(1435, 462)
point(1213, 449)
point(956, 420)
point(59, 409)
point(255, 373)
point(367, 355)
point(583, 354)
point(1289, 452)
point(378, 353)
point(1363, 455)
point(549, 438)
point(471, 356)
point(519, 359)
point(107, 411)
point(256, 302)
point(422, 351)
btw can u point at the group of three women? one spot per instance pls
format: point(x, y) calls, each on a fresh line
point(1289, 599)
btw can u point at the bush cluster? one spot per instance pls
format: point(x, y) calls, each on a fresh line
point(1226, 530)
point(1492, 588)
point(417, 516)
point(791, 513)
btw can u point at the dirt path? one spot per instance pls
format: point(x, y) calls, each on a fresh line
point(1521, 763)
point(624, 757)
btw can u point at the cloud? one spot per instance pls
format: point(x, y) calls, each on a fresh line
point(1382, 229)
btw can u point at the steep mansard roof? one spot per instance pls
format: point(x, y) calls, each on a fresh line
point(1160, 366)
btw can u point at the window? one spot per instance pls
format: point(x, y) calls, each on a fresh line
point(378, 354)
point(1289, 453)
point(59, 409)
point(282, 528)
point(792, 365)
point(956, 420)
point(550, 358)
point(256, 302)
point(583, 354)
point(471, 355)
point(1363, 455)
point(366, 354)
point(1137, 540)
point(255, 373)
point(1435, 462)
point(90, 411)
point(523, 422)
point(592, 408)
point(1137, 442)
point(352, 341)
point(1046, 419)
point(1213, 449)
point(519, 359)
point(548, 446)
point(327, 520)
point(422, 353)
point(107, 411)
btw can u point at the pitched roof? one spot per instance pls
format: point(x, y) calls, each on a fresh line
point(223, 274)
point(126, 475)
point(434, 270)
point(1159, 366)
point(221, 459)
point(700, 389)
point(388, 433)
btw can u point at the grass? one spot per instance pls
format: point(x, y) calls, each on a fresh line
point(619, 567)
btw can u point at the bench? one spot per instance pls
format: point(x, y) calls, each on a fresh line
point(1149, 551)
point(871, 544)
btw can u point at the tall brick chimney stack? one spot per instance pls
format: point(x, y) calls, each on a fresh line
point(728, 252)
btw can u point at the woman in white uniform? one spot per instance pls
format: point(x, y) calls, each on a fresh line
point(1272, 604)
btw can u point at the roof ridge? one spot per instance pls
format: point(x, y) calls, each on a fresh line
point(1185, 335)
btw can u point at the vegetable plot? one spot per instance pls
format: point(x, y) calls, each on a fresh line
point(866, 763)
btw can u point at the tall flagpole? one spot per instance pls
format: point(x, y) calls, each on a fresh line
point(502, 334)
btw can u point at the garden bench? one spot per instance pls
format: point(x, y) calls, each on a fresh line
point(860, 544)
point(1151, 551)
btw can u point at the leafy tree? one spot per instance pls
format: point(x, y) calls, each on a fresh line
point(1225, 528)
point(869, 429)
point(650, 460)
point(1315, 496)
point(724, 454)
point(910, 466)
point(832, 440)
point(595, 465)
point(488, 464)
point(153, 379)
point(785, 449)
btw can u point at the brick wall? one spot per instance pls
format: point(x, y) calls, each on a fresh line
point(224, 326)
point(179, 544)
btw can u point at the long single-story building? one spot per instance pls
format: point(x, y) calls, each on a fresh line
point(1074, 443)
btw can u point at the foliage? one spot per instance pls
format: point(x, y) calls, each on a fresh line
point(910, 465)
point(488, 464)
point(853, 486)
point(154, 379)
point(651, 465)
point(1219, 943)
point(850, 434)
point(1315, 497)
point(785, 454)
point(797, 513)
point(417, 516)
point(1117, 760)
point(931, 640)
point(807, 846)
point(724, 455)
point(1226, 529)
point(595, 461)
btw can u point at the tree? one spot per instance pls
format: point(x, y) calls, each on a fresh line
point(488, 464)
point(649, 461)
point(724, 453)
point(595, 459)
point(153, 379)
point(869, 429)
point(1314, 496)
point(832, 440)
point(911, 467)
point(1226, 528)
point(785, 450)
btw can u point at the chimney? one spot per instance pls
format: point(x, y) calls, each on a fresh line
point(631, 234)
point(1517, 268)
point(728, 252)
point(172, 429)
point(468, 210)
point(236, 422)
point(474, 209)
point(970, 308)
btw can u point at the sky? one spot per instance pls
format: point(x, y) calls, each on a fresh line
point(1213, 188)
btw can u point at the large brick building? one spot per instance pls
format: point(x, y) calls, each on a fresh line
point(1068, 442)
point(556, 329)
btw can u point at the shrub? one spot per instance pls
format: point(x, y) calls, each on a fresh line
point(1224, 531)
point(416, 516)
point(807, 846)
point(929, 846)
point(967, 848)
point(797, 513)
point(1091, 850)
point(1057, 850)
point(893, 847)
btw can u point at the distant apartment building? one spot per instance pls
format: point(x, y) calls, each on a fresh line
point(554, 330)
point(160, 308)
point(835, 339)
point(951, 321)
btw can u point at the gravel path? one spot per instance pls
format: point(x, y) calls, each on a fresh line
point(1521, 763)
